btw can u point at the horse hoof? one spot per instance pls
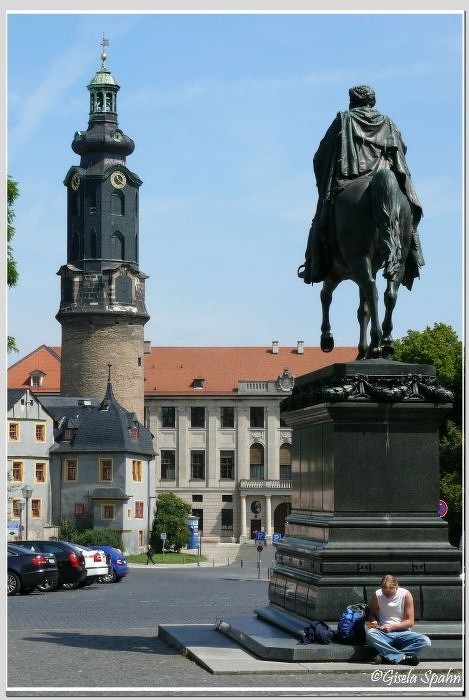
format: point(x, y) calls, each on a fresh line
point(373, 354)
point(387, 352)
point(327, 343)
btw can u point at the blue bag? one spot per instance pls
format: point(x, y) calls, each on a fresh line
point(351, 626)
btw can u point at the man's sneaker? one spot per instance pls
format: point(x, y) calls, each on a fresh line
point(378, 660)
point(409, 660)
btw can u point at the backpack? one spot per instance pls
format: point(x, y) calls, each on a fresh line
point(351, 626)
point(318, 631)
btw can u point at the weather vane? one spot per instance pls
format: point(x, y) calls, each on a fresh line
point(104, 43)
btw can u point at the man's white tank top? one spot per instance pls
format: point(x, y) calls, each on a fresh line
point(391, 609)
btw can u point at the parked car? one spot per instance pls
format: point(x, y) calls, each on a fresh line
point(70, 562)
point(27, 569)
point(97, 562)
point(119, 566)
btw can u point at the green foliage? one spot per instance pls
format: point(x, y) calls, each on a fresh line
point(68, 530)
point(70, 533)
point(171, 517)
point(440, 346)
point(166, 558)
point(451, 448)
point(97, 536)
point(12, 194)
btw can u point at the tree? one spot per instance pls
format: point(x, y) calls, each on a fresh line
point(12, 269)
point(441, 347)
point(171, 518)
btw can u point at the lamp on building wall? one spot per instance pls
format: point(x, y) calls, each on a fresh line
point(20, 508)
point(27, 492)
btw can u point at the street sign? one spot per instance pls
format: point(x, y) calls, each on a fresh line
point(163, 535)
point(442, 509)
point(259, 548)
point(13, 529)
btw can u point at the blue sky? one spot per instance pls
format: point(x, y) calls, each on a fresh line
point(226, 111)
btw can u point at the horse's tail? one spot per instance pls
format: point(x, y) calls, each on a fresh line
point(386, 200)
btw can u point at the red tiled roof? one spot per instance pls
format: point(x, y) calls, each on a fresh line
point(172, 370)
point(45, 359)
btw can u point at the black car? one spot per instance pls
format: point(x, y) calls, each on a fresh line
point(70, 562)
point(27, 570)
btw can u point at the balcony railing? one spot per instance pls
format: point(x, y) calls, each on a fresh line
point(265, 484)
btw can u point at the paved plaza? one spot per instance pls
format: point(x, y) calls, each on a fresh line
point(103, 641)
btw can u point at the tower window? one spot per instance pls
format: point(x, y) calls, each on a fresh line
point(75, 246)
point(117, 246)
point(93, 243)
point(123, 290)
point(117, 203)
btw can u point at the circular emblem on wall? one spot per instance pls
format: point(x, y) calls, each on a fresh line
point(256, 507)
point(118, 179)
point(75, 181)
point(285, 380)
point(117, 135)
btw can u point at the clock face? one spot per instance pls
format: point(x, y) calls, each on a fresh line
point(75, 181)
point(117, 135)
point(118, 179)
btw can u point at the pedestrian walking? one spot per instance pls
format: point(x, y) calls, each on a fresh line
point(150, 553)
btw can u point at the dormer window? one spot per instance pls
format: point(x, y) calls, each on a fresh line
point(198, 383)
point(35, 379)
point(69, 434)
point(133, 432)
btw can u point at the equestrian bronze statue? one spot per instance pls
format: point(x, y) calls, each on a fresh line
point(366, 219)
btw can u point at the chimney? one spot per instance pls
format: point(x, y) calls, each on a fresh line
point(275, 347)
point(300, 347)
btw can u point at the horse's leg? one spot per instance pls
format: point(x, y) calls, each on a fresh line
point(363, 316)
point(327, 339)
point(390, 298)
point(364, 277)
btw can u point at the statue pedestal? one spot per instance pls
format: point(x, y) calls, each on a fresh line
point(365, 484)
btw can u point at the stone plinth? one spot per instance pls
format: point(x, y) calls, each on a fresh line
point(365, 483)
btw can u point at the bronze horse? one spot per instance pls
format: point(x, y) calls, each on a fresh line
point(372, 221)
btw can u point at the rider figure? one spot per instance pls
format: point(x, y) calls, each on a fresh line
point(358, 143)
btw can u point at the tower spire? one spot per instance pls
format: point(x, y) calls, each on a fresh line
point(104, 43)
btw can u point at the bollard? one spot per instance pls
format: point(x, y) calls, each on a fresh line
point(213, 563)
point(242, 562)
point(228, 561)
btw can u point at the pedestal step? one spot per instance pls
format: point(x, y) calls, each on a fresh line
point(275, 635)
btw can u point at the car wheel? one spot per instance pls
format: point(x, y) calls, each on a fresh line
point(109, 578)
point(69, 586)
point(85, 582)
point(13, 583)
point(47, 586)
point(118, 579)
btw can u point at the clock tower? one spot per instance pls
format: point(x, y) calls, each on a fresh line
point(102, 303)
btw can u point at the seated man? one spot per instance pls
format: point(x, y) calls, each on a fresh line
point(391, 616)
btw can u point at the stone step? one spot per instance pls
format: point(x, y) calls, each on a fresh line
point(279, 640)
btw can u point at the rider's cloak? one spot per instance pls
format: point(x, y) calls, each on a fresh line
point(357, 143)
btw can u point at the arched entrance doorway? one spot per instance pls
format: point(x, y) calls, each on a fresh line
point(280, 513)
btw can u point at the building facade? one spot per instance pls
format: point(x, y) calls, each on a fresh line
point(30, 437)
point(214, 414)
